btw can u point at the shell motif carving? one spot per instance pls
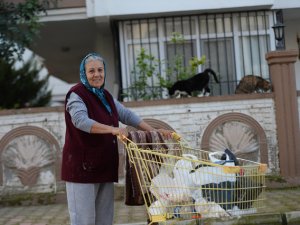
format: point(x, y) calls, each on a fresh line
point(27, 155)
point(238, 137)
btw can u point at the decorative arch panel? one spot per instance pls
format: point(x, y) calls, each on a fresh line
point(29, 156)
point(238, 132)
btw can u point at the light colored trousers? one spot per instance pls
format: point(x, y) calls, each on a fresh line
point(90, 204)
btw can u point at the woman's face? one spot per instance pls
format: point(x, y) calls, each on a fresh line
point(95, 73)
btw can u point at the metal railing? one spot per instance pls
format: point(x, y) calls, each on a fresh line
point(233, 43)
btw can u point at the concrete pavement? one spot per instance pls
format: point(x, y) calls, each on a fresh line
point(282, 208)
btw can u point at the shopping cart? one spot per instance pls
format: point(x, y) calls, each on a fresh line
point(184, 183)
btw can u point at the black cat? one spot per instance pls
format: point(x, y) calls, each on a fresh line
point(199, 82)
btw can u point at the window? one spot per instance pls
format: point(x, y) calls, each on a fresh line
point(234, 45)
point(221, 52)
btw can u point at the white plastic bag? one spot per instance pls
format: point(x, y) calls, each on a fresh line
point(209, 209)
point(174, 189)
point(211, 174)
point(206, 174)
point(182, 170)
point(169, 189)
point(157, 208)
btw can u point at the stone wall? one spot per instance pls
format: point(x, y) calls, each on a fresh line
point(191, 119)
point(31, 140)
point(30, 150)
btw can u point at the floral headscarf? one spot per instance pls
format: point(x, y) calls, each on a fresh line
point(99, 92)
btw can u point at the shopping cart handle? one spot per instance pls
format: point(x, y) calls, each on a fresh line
point(122, 138)
point(174, 136)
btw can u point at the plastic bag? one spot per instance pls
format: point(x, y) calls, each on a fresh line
point(174, 189)
point(166, 188)
point(205, 174)
point(209, 209)
point(182, 170)
point(157, 208)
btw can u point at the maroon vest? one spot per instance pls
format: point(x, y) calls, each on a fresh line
point(91, 158)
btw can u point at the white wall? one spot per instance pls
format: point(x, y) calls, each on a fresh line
point(189, 120)
point(105, 46)
point(285, 4)
point(131, 7)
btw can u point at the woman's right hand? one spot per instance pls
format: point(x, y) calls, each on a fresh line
point(120, 131)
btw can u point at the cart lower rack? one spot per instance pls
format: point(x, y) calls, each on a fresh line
point(180, 182)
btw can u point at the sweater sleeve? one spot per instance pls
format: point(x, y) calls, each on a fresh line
point(79, 113)
point(126, 116)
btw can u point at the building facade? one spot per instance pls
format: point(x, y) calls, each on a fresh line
point(235, 39)
point(233, 36)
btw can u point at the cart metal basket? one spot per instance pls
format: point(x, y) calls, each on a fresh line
point(180, 182)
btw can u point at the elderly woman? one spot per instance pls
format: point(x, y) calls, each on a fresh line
point(90, 153)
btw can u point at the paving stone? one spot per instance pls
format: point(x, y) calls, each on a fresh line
point(278, 201)
point(293, 218)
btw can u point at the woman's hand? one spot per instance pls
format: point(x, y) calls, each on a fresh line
point(146, 127)
point(122, 132)
point(166, 133)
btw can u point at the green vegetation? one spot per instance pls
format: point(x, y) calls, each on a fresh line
point(22, 87)
point(146, 67)
point(19, 25)
point(149, 83)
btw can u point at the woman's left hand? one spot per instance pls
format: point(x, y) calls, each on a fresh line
point(166, 133)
